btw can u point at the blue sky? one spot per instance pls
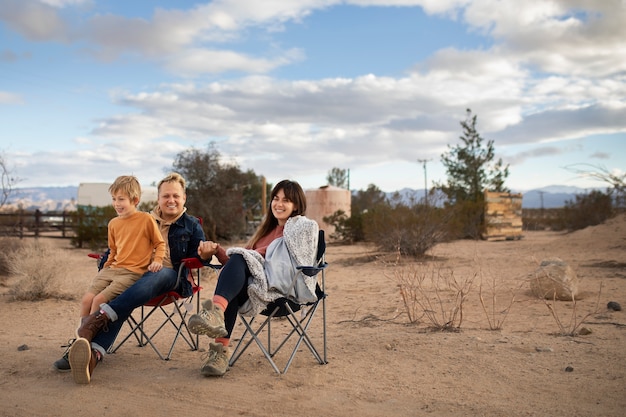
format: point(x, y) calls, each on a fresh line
point(90, 90)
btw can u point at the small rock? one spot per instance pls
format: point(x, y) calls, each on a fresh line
point(22, 347)
point(569, 369)
point(544, 349)
point(614, 305)
point(584, 331)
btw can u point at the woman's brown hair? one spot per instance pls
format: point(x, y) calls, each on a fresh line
point(294, 192)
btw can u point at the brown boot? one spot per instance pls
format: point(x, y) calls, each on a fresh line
point(83, 360)
point(92, 324)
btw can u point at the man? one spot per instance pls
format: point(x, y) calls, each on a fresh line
point(185, 239)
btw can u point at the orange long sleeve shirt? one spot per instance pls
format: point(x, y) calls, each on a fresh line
point(135, 241)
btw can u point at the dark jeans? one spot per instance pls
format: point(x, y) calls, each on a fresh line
point(232, 284)
point(150, 285)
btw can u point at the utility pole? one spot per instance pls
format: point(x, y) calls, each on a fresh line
point(423, 162)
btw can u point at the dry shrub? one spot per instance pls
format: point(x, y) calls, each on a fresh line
point(410, 231)
point(40, 269)
point(495, 300)
point(576, 318)
point(8, 245)
point(433, 291)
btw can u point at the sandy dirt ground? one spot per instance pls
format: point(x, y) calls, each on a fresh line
point(379, 364)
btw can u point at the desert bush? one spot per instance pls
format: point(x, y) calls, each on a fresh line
point(347, 229)
point(91, 227)
point(575, 320)
point(466, 219)
point(432, 291)
point(586, 210)
point(407, 230)
point(40, 269)
point(8, 245)
point(541, 219)
point(491, 296)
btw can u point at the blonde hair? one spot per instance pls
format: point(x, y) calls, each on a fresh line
point(173, 177)
point(127, 185)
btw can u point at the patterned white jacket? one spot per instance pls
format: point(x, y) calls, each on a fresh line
point(276, 276)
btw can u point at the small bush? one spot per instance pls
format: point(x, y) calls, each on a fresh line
point(91, 227)
point(347, 229)
point(576, 319)
point(466, 220)
point(490, 295)
point(40, 270)
point(587, 210)
point(432, 291)
point(7, 247)
point(407, 230)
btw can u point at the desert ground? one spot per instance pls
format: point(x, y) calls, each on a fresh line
point(379, 364)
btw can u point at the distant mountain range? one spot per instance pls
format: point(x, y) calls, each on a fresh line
point(64, 198)
point(553, 196)
point(44, 198)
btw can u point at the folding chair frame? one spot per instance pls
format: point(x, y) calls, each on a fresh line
point(179, 310)
point(284, 308)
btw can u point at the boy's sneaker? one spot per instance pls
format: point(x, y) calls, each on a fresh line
point(83, 360)
point(63, 364)
point(209, 321)
point(216, 363)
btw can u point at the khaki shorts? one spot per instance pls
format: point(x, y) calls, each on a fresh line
point(111, 282)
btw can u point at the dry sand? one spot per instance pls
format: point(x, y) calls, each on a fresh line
point(379, 364)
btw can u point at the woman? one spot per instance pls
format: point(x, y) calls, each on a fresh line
point(185, 239)
point(255, 275)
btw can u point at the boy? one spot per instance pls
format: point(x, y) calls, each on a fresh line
point(136, 246)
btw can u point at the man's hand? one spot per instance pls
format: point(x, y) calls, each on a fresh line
point(207, 249)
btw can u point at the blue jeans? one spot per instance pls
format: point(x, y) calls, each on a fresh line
point(150, 285)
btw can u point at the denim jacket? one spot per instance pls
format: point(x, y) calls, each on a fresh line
point(183, 238)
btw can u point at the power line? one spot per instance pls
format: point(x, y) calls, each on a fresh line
point(424, 162)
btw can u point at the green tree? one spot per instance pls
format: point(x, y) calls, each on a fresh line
point(471, 170)
point(220, 193)
point(350, 229)
point(470, 166)
point(367, 199)
point(339, 178)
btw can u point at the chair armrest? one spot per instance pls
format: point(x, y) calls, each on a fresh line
point(312, 270)
point(195, 263)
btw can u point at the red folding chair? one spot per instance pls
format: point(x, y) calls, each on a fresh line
point(171, 308)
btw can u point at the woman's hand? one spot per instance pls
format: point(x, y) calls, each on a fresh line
point(207, 249)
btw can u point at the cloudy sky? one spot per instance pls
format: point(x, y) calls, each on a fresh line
point(90, 90)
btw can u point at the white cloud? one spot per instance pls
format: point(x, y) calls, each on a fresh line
point(202, 61)
point(33, 20)
point(10, 98)
point(555, 72)
point(65, 3)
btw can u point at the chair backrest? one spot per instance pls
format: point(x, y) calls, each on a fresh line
point(101, 257)
point(321, 247)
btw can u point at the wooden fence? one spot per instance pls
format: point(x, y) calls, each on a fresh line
point(24, 223)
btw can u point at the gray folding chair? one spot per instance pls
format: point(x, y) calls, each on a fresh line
point(299, 328)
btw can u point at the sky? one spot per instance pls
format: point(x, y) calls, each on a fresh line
point(90, 90)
